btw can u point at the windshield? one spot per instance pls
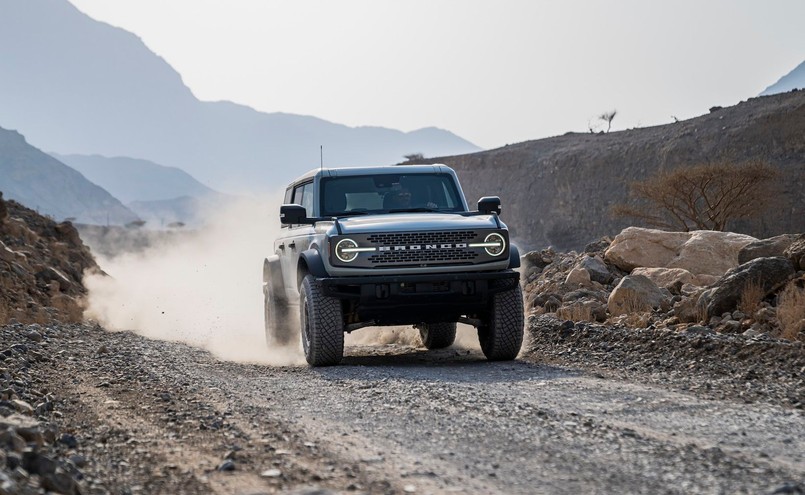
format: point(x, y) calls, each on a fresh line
point(388, 193)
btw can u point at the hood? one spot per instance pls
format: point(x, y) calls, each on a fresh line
point(408, 222)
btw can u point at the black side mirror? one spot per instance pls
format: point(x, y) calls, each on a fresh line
point(293, 214)
point(489, 204)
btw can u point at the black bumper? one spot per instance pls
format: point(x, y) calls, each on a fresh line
point(410, 299)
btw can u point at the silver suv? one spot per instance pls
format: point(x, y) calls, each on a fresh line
point(390, 246)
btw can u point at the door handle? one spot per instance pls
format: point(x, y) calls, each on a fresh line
point(292, 245)
point(282, 246)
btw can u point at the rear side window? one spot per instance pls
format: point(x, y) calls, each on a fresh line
point(303, 195)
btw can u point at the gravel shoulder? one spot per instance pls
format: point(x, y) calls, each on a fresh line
point(160, 417)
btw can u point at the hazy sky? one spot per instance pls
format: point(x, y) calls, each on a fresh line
point(492, 71)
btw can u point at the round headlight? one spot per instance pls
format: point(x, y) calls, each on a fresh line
point(345, 250)
point(496, 244)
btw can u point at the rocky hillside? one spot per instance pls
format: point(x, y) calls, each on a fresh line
point(39, 181)
point(558, 191)
point(41, 267)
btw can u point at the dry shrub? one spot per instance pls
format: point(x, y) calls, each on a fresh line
point(632, 303)
point(751, 296)
point(576, 312)
point(791, 311)
point(3, 314)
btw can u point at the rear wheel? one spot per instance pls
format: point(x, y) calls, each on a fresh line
point(437, 335)
point(278, 318)
point(501, 334)
point(322, 324)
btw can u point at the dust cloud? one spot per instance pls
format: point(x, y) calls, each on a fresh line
point(203, 288)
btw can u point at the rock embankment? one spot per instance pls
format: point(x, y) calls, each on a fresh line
point(42, 265)
point(709, 281)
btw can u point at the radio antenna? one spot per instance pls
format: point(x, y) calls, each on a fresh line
point(321, 157)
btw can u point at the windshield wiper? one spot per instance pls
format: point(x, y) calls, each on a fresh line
point(413, 210)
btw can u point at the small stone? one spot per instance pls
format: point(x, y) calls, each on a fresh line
point(23, 407)
point(78, 460)
point(103, 349)
point(60, 482)
point(227, 465)
point(34, 336)
point(409, 489)
point(700, 330)
point(271, 473)
point(68, 440)
point(10, 439)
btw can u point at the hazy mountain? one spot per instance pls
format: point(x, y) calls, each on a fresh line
point(131, 179)
point(77, 86)
point(39, 181)
point(558, 191)
point(793, 80)
point(157, 194)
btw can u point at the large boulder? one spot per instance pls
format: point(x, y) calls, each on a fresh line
point(636, 293)
point(796, 253)
point(702, 252)
point(766, 273)
point(767, 248)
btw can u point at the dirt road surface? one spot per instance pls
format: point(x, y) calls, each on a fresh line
point(159, 417)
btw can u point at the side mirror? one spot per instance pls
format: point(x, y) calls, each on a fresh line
point(292, 214)
point(489, 204)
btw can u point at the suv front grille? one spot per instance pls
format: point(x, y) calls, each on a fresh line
point(423, 256)
point(442, 256)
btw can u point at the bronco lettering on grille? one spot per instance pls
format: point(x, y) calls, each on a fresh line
point(419, 247)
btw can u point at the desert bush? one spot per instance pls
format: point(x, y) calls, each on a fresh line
point(751, 296)
point(702, 197)
point(791, 311)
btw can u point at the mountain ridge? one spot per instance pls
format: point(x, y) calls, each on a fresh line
point(793, 80)
point(558, 191)
point(74, 85)
point(41, 182)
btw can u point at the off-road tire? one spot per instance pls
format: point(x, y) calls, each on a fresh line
point(279, 319)
point(322, 324)
point(437, 335)
point(501, 334)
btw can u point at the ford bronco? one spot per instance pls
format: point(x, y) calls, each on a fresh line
point(393, 245)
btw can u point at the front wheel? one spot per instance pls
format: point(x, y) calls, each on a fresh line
point(501, 334)
point(437, 335)
point(322, 324)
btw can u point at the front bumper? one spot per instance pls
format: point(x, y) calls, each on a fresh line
point(418, 298)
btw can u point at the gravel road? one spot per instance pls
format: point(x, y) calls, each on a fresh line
point(159, 417)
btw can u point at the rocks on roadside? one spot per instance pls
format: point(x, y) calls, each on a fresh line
point(766, 274)
point(635, 294)
point(699, 252)
point(688, 268)
point(31, 457)
point(767, 248)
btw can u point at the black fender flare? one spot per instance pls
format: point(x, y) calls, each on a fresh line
point(315, 264)
point(514, 257)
